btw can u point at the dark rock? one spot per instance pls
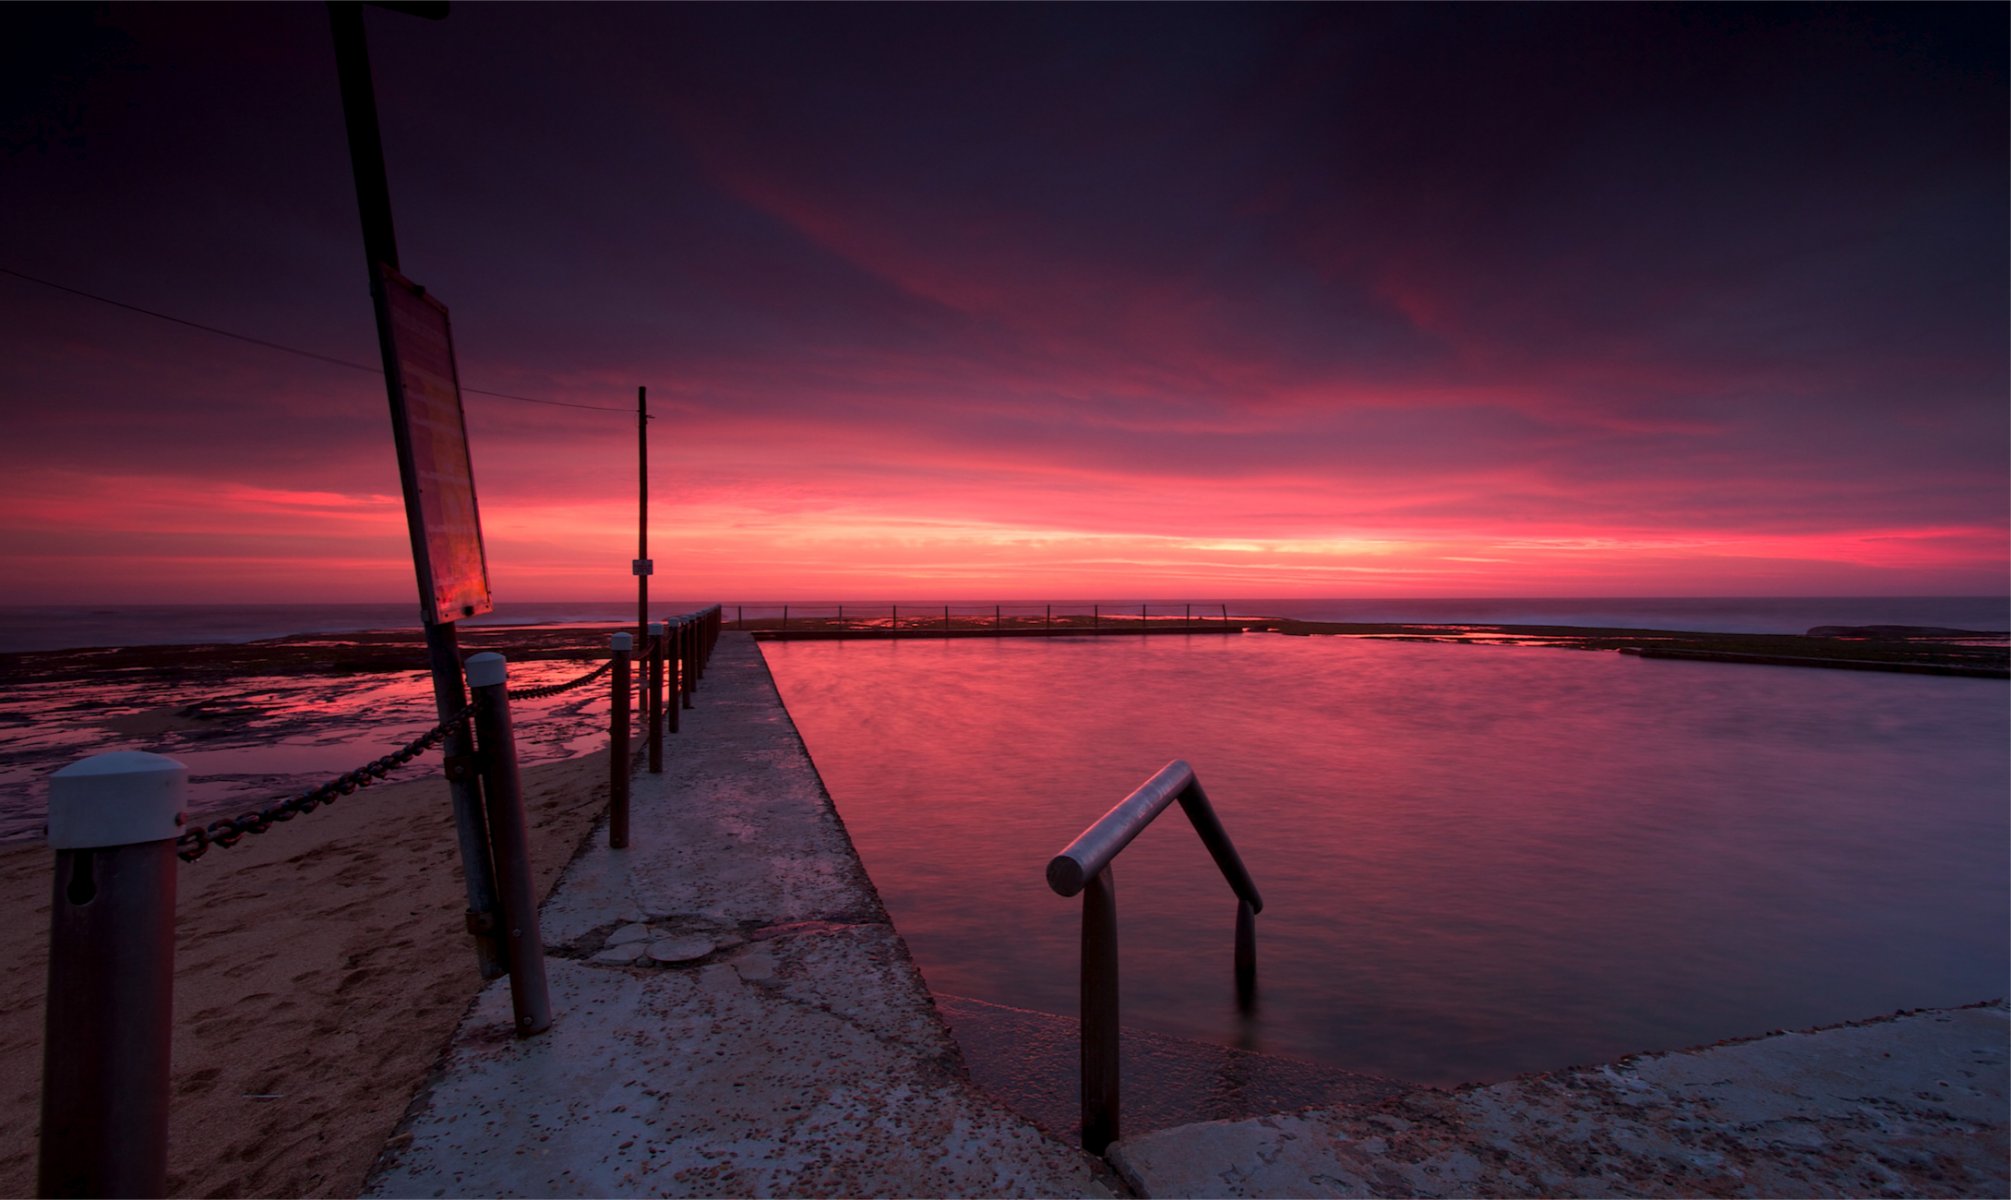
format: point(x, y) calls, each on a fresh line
point(1898, 632)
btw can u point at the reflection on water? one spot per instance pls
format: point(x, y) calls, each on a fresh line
point(257, 738)
point(1475, 861)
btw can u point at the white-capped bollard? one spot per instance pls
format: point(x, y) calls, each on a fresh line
point(510, 843)
point(107, 1030)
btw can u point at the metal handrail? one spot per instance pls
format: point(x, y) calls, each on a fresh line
point(1084, 866)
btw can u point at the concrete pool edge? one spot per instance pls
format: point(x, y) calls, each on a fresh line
point(1912, 1103)
point(734, 1013)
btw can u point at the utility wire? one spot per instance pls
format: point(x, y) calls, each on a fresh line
point(339, 362)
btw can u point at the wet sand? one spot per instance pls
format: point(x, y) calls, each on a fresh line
point(320, 968)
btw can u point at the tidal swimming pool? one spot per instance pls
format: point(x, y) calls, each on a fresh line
point(1475, 860)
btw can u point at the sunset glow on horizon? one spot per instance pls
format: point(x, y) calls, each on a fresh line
point(1026, 303)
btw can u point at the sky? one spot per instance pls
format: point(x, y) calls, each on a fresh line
point(1027, 301)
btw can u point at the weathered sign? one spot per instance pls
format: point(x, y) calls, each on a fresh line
point(433, 459)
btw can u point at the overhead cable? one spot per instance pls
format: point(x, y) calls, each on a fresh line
point(295, 350)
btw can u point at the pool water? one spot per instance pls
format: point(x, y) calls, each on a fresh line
point(1476, 861)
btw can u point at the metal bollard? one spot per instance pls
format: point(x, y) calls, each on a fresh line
point(674, 664)
point(698, 658)
point(618, 729)
point(509, 843)
point(659, 648)
point(687, 672)
point(113, 820)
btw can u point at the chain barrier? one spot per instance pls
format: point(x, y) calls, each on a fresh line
point(539, 693)
point(227, 833)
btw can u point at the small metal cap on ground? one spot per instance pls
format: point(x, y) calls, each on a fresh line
point(123, 798)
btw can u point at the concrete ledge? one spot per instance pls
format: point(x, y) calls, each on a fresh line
point(1909, 1105)
point(735, 1014)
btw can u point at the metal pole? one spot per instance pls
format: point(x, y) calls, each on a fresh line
point(674, 666)
point(1099, 1013)
point(380, 245)
point(1246, 956)
point(618, 764)
point(488, 677)
point(659, 649)
point(109, 1019)
point(643, 567)
point(689, 668)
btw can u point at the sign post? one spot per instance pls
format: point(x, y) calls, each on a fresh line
point(420, 381)
point(643, 567)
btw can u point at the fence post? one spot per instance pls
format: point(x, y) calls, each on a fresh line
point(509, 842)
point(674, 666)
point(618, 764)
point(659, 648)
point(688, 656)
point(109, 1023)
point(1099, 1013)
point(946, 618)
point(696, 662)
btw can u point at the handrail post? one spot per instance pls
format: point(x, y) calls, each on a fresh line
point(659, 647)
point(509, 842)
point(109, 1021)
point(1246, 956)
point(1099, 1013)
point(618, 764)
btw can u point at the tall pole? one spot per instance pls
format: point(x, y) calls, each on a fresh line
point(643, 565)
point(443, 653)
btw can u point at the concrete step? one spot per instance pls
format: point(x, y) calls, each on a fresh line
point(1031, 1061)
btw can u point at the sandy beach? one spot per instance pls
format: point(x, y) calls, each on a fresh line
point(319, 970)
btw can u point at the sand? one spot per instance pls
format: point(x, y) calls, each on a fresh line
point(319, 971)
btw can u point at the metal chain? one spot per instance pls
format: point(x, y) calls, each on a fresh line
point(226, 833)
point(539, 693)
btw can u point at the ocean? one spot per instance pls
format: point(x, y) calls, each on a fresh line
point(62, 627)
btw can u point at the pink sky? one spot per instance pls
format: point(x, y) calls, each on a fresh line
point(947, 303)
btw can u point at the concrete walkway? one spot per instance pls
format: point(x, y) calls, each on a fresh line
point(734, 1014)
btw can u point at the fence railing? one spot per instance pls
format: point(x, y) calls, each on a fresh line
point(1085, 867)
point(1001, 619)
point(116, 824)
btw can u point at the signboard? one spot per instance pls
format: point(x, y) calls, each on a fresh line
point(432, 451)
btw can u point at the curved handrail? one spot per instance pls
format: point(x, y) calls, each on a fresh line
point(1084, 867)
point(1086, 857)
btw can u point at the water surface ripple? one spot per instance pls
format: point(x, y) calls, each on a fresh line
point(1476, 861)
